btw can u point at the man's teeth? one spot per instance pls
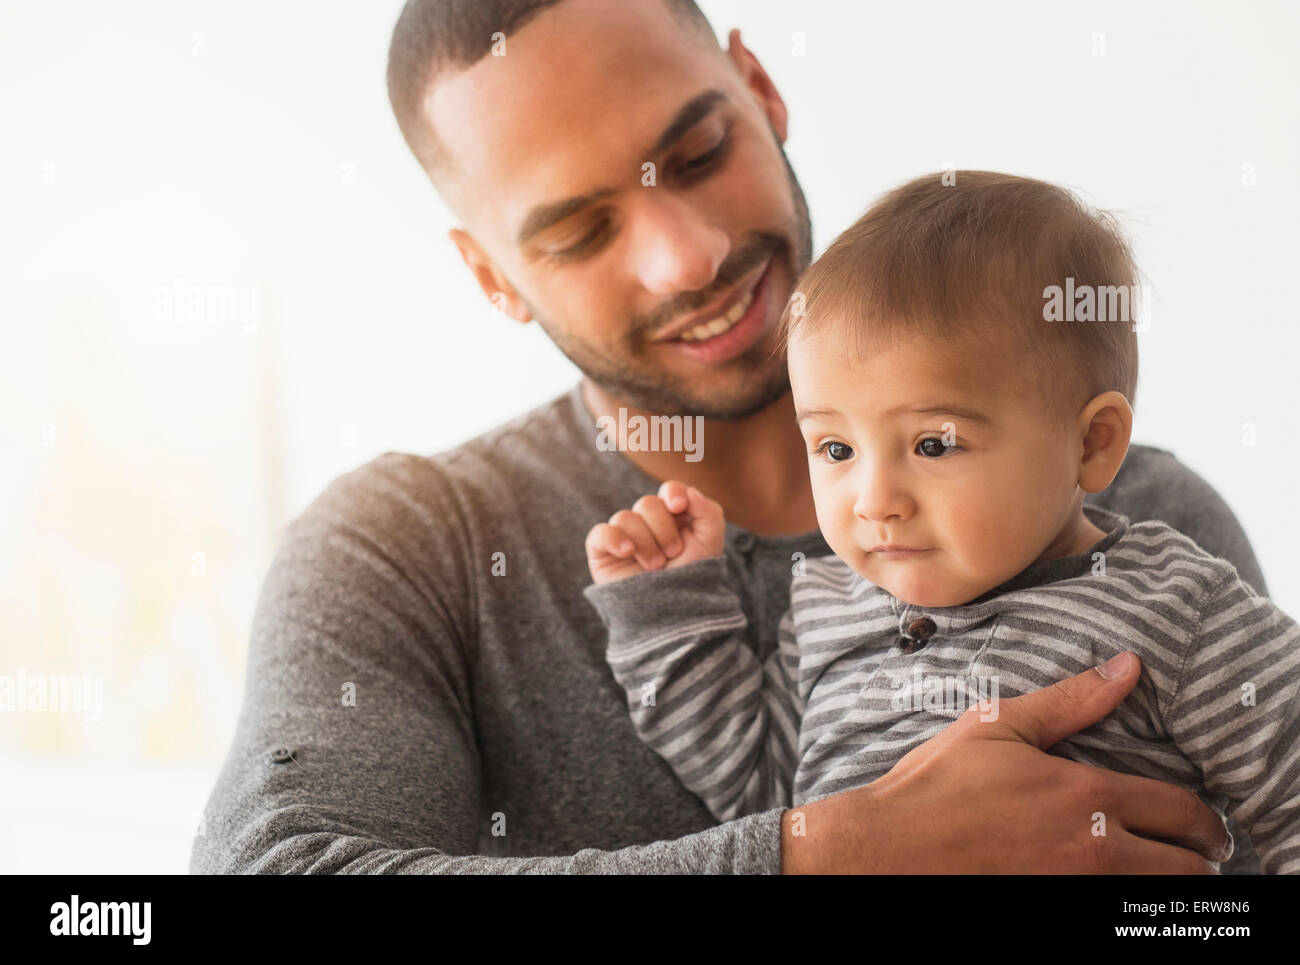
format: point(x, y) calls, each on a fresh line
point(720, 324)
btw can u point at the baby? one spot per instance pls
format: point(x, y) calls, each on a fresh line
point(956, 412)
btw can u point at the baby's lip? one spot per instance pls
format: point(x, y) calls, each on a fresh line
point(896, 548)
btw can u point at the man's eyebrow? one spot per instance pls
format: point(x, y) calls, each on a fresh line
point(694, 111)
point(543, 216)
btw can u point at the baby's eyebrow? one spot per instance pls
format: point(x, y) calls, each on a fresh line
point(944, 408)
point(963, 413)
point(803, 415)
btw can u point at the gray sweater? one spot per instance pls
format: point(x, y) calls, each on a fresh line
point(427, 689)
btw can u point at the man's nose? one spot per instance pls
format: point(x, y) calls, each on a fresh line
point(676, 249)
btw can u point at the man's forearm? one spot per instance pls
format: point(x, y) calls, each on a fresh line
point(281, 844)
point(807, 835)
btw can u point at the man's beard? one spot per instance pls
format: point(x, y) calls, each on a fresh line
point(764, 375)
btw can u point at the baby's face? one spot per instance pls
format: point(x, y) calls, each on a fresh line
point(976, 510)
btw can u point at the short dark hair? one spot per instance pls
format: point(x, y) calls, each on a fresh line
point(975, 252)
point(435, 36)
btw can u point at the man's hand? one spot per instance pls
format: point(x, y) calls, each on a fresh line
point(982, 797)
point(679, 526)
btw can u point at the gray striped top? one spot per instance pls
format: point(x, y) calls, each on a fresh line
point(853, 684)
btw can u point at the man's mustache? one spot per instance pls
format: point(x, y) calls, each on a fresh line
point(734, 268)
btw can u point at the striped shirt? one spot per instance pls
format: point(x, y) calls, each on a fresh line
point(858, 678)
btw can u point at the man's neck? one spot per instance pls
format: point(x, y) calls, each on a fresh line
point(756, 467)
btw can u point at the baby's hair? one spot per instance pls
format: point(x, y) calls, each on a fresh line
point(977, 253)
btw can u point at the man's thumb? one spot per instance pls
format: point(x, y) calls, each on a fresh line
point(1047, 716)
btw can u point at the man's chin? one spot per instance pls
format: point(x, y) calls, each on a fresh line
point(724, 404)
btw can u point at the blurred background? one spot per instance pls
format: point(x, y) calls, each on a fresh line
point(224, 281)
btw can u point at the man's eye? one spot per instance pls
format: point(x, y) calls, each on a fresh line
point(836, 451)
point(934, 448)
point(588, 240)
point(702, 161)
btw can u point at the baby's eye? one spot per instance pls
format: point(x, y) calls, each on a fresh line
point(934, 448)
point(838, 451)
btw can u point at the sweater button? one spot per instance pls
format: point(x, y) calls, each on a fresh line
point(917, 633)
point(922, 629)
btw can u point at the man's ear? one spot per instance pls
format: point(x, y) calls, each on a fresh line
point(499, 292)
point(756, 79)
point(1106, 424)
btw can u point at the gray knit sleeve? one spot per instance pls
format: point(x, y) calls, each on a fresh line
point(726, 723)
point(390, 782)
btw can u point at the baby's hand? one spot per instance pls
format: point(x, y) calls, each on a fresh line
point(679, 526)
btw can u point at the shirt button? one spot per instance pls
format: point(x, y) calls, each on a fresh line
point(922, 628)
point(918, 632)
point(281, 755)
point(745, 542)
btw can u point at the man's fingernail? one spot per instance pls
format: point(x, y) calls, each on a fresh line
point(1115, 666)
point(1228, 848)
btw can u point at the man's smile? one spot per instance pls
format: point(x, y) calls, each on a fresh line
point(721, 333)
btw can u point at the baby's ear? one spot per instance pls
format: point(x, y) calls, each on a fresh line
point(1106, 426)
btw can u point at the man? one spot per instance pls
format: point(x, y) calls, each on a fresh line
point(427, 689)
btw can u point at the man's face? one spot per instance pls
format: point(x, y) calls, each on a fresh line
point(662, 284)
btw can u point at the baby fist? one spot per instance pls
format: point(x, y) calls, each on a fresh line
point(678, 526)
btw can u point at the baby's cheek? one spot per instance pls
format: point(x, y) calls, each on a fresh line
point(836, 520)
point(840, 542)
point(976, 559)
point(974, 535)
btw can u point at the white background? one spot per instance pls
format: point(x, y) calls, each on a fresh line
point(249, 145)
